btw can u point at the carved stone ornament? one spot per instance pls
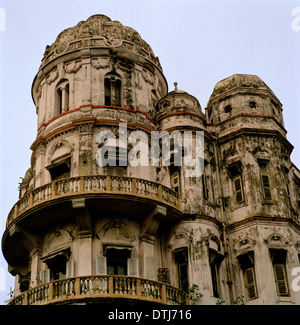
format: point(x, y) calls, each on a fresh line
point(53, 75)
point(275, 240)
point(244, 245)
point(72, 67)
point(188, 236)
point(124, 231)
point(99, 31)
point(147, 76)
point(100, 63)
point(57, 241)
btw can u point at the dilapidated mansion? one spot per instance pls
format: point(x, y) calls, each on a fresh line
point(88, 233)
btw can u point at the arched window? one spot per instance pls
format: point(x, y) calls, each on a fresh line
point(61, 99)
point(112, 90)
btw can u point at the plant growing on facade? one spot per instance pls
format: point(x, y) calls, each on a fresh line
point(220, 302)
point(192, 294)
point(20, 183)
point(239, 300)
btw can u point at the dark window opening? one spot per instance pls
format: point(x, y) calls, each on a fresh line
point(181, 259)
point(215, 260)
point(107, 91)
point(59, 101)
point(24, 284)
point(118, 93)
point(60, 170)
point(228, 109)
point(235, 170)
point(117, 261)
point(205, 187)
point(66, 99)
point(252, 104)
point(112, 91)
point(57, 266)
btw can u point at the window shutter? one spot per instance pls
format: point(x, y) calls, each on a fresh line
point(238, 190)
point(101, 266)
point(266, 187)
point(175, 181)
point(120, 171)
point(280, 279)
point(133, 267)
point(70, 268)
point(116, 171)
point(250, 285)
point(45, 276)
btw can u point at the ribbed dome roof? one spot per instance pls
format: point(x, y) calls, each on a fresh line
point(98, 31)
point(239, 81)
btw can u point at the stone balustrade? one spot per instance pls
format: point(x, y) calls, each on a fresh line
point(99, 287)
point(94, 184)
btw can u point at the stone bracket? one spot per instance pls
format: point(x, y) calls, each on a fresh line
point(29, 240)
point(152, 222)
point(83, 218)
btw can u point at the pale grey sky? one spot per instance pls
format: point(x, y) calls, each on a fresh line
point(199, 42)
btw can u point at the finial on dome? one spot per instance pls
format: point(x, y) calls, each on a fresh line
point(175, 84)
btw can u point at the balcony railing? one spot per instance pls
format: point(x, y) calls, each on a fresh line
point(97, 288)
point(94, 184)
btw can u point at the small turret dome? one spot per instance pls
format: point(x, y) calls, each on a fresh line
point(178, 101)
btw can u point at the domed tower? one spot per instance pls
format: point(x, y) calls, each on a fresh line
point(83, 230)
point(256, 187)
point(135, 195)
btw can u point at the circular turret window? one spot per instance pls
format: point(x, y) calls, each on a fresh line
point(228, 109)
point(252, 104)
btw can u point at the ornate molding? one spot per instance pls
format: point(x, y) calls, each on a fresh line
point(64, 244)
point(99, 63)
point(244, 245)
point(116, 223)
point(187, 235)
point(276, 240)
point(72, 67)
point(52, 76)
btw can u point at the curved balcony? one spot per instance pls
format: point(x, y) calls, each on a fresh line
point(98, 186)
point(101, 288)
